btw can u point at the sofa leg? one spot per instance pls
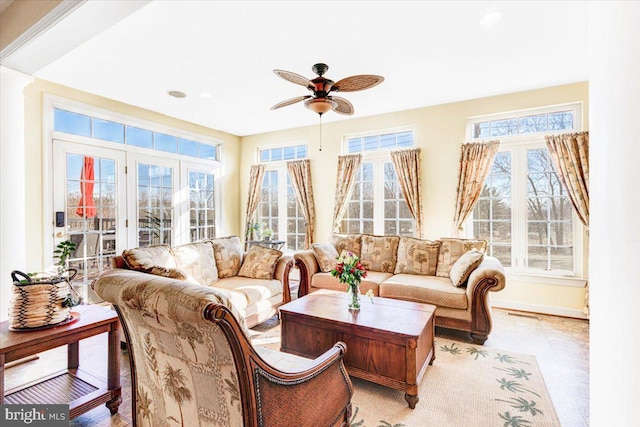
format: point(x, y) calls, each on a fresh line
point(479, 338)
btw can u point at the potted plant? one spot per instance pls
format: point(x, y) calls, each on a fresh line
point(267, 233)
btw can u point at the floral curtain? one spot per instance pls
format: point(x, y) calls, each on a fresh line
point(407, 166)
point(255, 184)
point(475, 162)
point(300, 175)
point(570, 155)
point(346, 178)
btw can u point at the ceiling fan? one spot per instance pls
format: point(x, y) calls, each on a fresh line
point(321, 101)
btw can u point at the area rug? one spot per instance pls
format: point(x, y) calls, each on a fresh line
point(467, 386)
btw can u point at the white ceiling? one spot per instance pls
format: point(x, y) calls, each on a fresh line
point(429, 53)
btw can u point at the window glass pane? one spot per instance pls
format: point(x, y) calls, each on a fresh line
point(561, 121)
point(388, 141)
point(264, 155)
point(531, 124)
point(289, 153)
point(139, 137)
point(108, 131)
point(371, 143)
point(207, 152)
point(301, 152)
point(187, 147)
point(355, 145)
point(481, 130)
point(73, 123)
point(165, 142)
point(404, 139)
point(503, 127)
point(276, 154)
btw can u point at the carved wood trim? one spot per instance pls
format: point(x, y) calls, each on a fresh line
point(303, 287)
point(481, 322)
point(286, 290)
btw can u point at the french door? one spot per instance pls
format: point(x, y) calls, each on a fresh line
point(88, 195)
point(106, 200)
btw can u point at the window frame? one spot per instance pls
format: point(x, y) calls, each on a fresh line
point(378, 157)
point(283, 176)
point(518, 146)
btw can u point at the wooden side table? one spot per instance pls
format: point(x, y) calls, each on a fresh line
point(73, 386)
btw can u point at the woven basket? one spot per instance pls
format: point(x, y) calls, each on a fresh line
point(39, 303)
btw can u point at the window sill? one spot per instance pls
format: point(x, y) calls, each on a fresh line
point(542, 279)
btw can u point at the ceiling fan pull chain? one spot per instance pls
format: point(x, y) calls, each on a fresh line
point(320, 132)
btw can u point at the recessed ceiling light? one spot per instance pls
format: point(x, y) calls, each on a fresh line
point(205, 95)
point(491, 18)
point(177, 94)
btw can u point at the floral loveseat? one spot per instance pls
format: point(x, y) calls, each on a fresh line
point(453, 274)
point(255, 283)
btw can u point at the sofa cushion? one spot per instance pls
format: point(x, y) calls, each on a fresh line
point(347, 242)
point(452, 249)
point(417, 256)
point(463, 267)
point(379, 253)
point(228, 255)
point(326, 255)
point(197, 261)
point(244, 292)
point(171, 273)
point(146, 258)
point(260, 263)
point(327, 281)
point(425, 289)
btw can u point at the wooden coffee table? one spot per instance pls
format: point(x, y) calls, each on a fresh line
point(389, 342)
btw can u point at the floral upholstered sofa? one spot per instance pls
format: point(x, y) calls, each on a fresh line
point(255, 283)
point(453, 274)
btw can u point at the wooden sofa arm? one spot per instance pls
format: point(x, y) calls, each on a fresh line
point(308, 266)
point(283, 398)
point(283, 268)
point(488, 276)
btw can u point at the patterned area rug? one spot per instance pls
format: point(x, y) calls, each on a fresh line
point(467, 385)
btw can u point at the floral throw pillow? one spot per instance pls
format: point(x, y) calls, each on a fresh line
point(227, 252)
point(347, 242)
point(326, 256)
point(452, 249)
point(379, 253)
point(145, 259)
point(463, 267)
point(260, 263)
point(417, 256)
point(197, 262)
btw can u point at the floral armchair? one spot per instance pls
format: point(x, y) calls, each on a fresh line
point(192, 363)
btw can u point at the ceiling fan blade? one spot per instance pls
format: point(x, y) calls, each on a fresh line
point(355, 83)
point(290, 101)
point(343, 106)
point(294, 78)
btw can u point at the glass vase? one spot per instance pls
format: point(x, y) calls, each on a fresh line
point(354, 296)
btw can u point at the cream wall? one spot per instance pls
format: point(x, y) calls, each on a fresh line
point(439, 132)
point(37, 255)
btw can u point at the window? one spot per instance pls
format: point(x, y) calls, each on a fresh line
point(94, 127)
point(278, 208)
point(202, 224)
point(377, 205)
point(524, 211)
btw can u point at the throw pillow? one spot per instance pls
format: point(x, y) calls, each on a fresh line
point(463, 267)
point(228, 255)
point(145, 259)
point(260, 263)
point(326, 256)
point(197, 261)
point(452, 249)
point(347, 242)
point(417, 256)
point(379, 253)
